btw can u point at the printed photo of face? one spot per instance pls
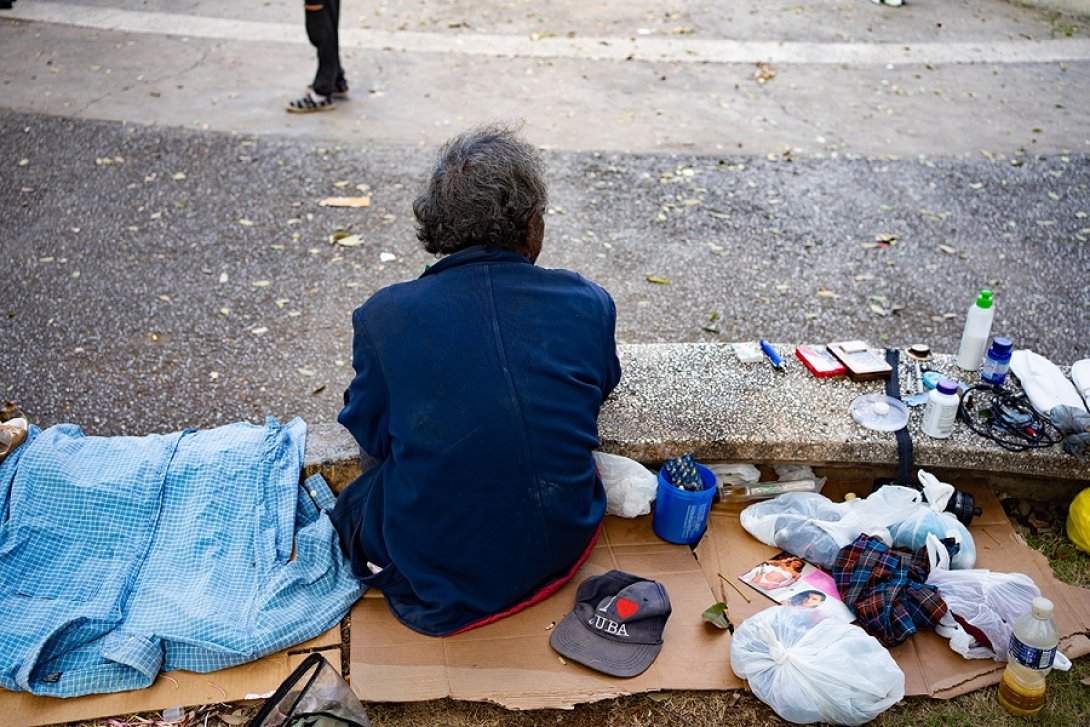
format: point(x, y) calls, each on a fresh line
point(807, 599)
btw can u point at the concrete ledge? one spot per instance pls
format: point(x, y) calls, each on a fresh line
point(698, 398)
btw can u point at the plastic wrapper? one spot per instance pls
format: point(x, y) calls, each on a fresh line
point(735, 474)
point(793, 472)
point(314, 695)
point(930, 518)
point(810, 669)
point(630, 487)
point(815, 528)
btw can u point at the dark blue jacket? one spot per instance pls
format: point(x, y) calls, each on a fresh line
point(477, 388)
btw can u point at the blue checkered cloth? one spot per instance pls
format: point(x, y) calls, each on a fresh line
point(124, 556)
point(886, 590)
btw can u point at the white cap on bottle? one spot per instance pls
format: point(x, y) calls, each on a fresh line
point(1042, 608)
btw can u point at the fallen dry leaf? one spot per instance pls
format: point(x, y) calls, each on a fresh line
point(764, 73)
point(364, 201)
point(658, 280)
point(349, 241)
point(948, 250)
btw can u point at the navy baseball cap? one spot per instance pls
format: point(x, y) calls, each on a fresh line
point(616, 625)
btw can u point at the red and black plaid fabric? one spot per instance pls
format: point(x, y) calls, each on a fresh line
point(886, 589)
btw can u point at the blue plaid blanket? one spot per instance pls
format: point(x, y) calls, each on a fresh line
point(124, 556)
point(886, 589)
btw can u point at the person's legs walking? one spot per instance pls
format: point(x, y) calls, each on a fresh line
point(340, 85)
point(322, 17)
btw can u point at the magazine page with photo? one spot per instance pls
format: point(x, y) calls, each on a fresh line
point(791, 581)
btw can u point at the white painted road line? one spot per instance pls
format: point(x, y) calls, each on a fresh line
point(652, 50)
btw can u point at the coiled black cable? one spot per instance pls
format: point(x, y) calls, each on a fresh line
point(1007, 418)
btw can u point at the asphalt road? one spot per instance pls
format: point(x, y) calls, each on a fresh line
point(158, 274)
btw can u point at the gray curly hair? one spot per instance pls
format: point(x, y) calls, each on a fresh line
point(484, 188)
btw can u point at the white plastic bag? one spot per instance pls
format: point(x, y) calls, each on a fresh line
point(991, 602)
point(735, 474)
point(630, 487)
point(815, 670)
point(793, 472)
point(815, 528)
point(930, 518)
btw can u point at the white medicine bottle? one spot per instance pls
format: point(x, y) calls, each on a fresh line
point(941, 410)
point(978, 326)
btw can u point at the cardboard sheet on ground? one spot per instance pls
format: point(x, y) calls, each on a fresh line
point(171, 689)
point(931, 668)
point(511, 663)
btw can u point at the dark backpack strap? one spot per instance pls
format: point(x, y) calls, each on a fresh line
point(904, 439)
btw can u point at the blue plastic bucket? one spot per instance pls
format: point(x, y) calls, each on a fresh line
point(681, 516)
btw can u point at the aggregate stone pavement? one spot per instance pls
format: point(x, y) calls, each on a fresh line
point(802, 172)
point(161, 278)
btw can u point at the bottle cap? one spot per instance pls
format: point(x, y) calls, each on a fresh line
point(1001, 347)
point(947, 386)
point(919, 351)
point(1042, 608)
point(984, 300)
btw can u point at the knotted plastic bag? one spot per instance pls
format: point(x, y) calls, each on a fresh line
point(815, 528)
point(930, 518)
point(986, 604)
point(989, 602)
point(630, 487)
point(810, 669)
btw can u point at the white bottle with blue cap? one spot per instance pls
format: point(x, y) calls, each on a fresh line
point(941, 411)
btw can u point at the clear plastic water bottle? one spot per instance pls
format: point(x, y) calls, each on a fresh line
point(1029, 660)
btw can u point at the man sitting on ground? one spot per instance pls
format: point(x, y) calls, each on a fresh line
point(476, 399)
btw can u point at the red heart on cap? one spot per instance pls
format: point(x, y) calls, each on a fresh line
point(626, 608)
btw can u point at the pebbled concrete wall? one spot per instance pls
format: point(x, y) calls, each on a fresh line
point(699, 398)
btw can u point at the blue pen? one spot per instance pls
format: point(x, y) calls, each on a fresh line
point(777, 362)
